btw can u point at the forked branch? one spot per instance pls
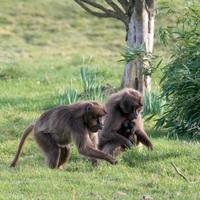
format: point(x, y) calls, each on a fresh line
point(99, 10)
point(124, 4)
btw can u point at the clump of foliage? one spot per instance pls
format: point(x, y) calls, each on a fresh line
point(91, 86)
point(131, 53)
point(92, 89)
point(180, 81)
point(68, 96)
point(152, 104)
point(152, 101)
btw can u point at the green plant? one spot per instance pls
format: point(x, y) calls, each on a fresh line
point(152, 104)
point(129, 54)
point(68, 96)
point(92, 88)
point(88, 79)
point(181, 78)
point(95, 93)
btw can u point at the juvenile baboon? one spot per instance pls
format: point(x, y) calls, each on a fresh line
point(58, 127)
point(122, 106)
point(128, 131)
point(126, 128)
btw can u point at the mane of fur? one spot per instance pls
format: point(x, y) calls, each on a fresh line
point(115, 98)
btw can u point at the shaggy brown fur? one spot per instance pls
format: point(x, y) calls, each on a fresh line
point(122, 106)
point(58, 127)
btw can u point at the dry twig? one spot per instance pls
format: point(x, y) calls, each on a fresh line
point(179, 173)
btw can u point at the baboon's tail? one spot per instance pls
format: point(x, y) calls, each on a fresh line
point(22, 141)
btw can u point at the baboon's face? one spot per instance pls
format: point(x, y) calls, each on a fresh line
point(93, 117)
point(95, 124)
point(131, 105)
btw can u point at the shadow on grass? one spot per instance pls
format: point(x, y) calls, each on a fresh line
point(135, 158)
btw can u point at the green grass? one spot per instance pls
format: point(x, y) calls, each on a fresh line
point(138, 173)
point(43, 45)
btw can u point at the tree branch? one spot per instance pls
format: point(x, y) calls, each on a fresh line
point(86, 8)
point(115, 7)
point(119, 12)
point(124, 4)
point(116, 13)
point(96, 5)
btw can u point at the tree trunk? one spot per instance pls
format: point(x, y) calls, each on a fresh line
point(149, 43)
point(140, 32)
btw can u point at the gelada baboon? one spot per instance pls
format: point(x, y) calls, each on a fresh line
point(128, 131)
point(58, 127)
point(122, 106)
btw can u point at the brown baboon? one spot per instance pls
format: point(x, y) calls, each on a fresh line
point(128, 131)
point(122, 106)
point(58, 127)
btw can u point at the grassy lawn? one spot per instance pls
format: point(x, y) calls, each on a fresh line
point(43, 45)
point(138, 173)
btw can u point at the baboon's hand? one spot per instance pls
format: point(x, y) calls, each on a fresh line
point(113, 161)
point(150, 147)
point(129, 144)
point(95, 162)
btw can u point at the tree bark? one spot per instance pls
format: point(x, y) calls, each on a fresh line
point(137, 16)
point(149, 47)
point(140, 33)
